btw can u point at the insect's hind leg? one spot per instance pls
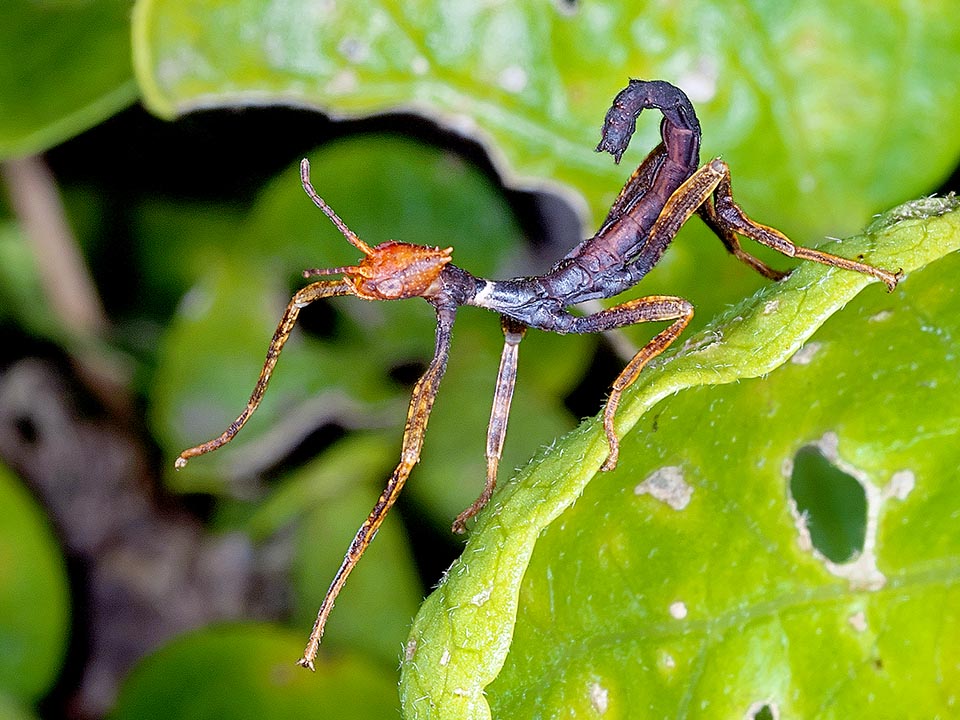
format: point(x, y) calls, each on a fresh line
point(655, 308)
point(729, 218)
point(708, 214)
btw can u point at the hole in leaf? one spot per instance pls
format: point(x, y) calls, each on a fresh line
point(833, 502)
point(764, 713)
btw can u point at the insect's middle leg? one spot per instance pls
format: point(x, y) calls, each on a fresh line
point(655, 308)
point(513, 333)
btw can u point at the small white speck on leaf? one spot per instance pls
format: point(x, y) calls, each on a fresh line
point(481, 597)
point(667, 485)
point(900, 485)
point(858, 621)
point(678, 610)
point(599, 698)
point(420, 65)
point(805, 355)
point(513, 79)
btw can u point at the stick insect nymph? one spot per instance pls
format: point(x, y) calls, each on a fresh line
point(663, 193)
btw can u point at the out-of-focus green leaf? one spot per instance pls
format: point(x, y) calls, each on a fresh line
point(64, 67)
point(684, 583)
point(34, 599)
point(821, 111)
point(21, 293)
point(11, 709)
point(239, 672)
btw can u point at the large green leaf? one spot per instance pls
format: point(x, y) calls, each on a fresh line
point(34, 599)
point(684, 583)
point(245, 671)
point(813, 106)
point(64, 67)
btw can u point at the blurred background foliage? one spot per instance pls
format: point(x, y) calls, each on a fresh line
point(153, 228)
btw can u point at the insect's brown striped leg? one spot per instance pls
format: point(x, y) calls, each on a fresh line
point(513, 333)
point(305, 296)
point(655, 308)
point(731, 219)
point(421, 402)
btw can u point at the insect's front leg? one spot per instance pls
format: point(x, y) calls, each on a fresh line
point(421, 403)
point(513, 333)
point(655, 308)
point(305, 296)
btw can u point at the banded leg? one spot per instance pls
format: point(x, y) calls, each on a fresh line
point(732, 243)
point(305, 296)
point(655, 308)
point(731, 219)
point(421, 402)
point(513, 333)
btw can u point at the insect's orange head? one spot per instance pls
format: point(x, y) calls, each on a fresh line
point(397, 270)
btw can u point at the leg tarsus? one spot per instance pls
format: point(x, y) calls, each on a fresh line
point(730, 218)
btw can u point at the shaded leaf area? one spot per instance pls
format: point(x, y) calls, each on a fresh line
point(64, 67)
point(811, 106)
point(245, 672)
point(685, 582)
point(34, 602)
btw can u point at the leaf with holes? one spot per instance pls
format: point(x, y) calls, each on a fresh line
point(688, 582)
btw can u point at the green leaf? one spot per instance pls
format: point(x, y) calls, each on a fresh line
point(64, 67)
point(717, 605)
point(11, 709)
point(811, 105)
point(34, 598)
point(247, 671)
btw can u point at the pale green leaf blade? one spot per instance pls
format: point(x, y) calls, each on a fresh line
point(34, 597)
point(811, 106)
point(639, 580)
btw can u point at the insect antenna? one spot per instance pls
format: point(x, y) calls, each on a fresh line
point(349, 234)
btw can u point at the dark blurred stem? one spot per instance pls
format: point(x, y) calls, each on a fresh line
point(65, 277)
point(63, 272)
